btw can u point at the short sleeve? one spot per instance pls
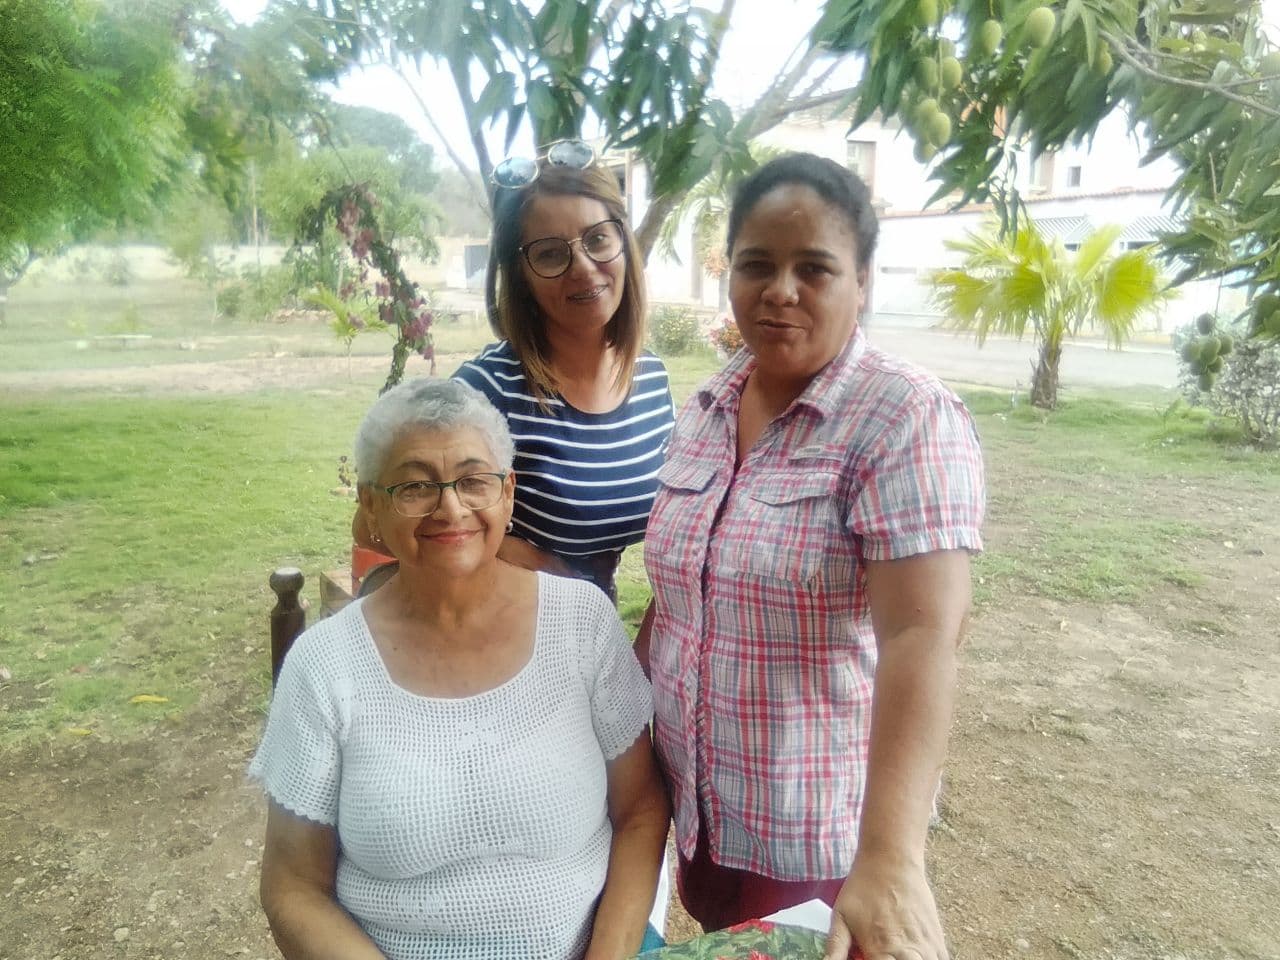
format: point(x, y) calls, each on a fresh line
point(922, 488)
point(298, 762)
point(621, 698)
point(477, 373)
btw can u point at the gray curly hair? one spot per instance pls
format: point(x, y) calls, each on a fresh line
point(430, 403)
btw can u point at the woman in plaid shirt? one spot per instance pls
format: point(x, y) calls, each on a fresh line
point(809, 554)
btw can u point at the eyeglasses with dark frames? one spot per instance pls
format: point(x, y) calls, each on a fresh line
point(550, 257)
point(421, 498)
point(516, 172)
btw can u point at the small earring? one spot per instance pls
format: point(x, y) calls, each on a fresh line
point(511, 525)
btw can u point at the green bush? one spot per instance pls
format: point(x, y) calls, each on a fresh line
point(1236, 376)
point(257, 294)
point(673, 331)
point(232, 298)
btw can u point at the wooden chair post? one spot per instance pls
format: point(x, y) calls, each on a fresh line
point(288, 619)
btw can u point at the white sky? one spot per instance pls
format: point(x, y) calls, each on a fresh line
point(764, 34)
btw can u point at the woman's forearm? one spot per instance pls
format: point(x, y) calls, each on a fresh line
point(522, 553)
point(311, 925)
point(910, 724)
point(632, 879)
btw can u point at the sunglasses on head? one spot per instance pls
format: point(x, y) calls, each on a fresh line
point(515, 172)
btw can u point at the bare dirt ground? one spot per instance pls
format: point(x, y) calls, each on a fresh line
point(1113, 790)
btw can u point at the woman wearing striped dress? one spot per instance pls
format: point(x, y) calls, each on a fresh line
point(589, 409)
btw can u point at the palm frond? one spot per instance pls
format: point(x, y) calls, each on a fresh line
point(1129, 287)
point(1093, 250)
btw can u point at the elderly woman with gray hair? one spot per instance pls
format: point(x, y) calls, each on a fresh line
point(459, 764)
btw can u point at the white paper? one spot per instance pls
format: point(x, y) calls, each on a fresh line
point(813, 914)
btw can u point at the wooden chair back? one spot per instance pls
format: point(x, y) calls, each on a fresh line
point(288, 618)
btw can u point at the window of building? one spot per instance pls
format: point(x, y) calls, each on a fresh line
point(1042, 173)
point(860, 157)
point(1073, 175)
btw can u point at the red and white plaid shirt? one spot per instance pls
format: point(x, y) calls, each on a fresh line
point(762, 652)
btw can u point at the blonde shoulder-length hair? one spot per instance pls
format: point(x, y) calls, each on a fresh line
point(518, 318)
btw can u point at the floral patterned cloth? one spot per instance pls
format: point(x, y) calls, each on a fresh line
point(753, 940)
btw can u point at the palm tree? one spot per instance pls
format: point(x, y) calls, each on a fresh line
point(1011, 282)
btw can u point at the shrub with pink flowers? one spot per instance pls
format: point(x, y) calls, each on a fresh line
point(400, 305)
point(724, 335)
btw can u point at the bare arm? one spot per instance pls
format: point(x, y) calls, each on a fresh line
point(643, 638)
point(640, 812)
point(299, 869)
point(522, 553)
point(918, 609)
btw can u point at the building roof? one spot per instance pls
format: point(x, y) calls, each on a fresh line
point(1066, 229)
point(1149, 228)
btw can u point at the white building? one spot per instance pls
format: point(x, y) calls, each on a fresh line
point(1068, 193)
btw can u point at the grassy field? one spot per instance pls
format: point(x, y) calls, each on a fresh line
point(128, 519)
point(55, 325)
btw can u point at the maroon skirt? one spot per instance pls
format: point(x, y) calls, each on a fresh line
point(719, 897)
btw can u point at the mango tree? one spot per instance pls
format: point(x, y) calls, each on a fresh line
point(976, 81)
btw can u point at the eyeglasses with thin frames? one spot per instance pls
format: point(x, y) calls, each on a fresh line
point(421, 498)
point(551, 257)
point(516, 172)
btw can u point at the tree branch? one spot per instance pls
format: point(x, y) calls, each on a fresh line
point(474, 185)
point(661, 206)
point(800, 104)
point(767, 112)
point(1121, 49)
point(820, 79)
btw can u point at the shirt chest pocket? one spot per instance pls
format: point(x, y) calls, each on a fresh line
point(788, 526)
point(683, 510)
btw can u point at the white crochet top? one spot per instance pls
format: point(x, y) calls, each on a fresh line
point(472, 828)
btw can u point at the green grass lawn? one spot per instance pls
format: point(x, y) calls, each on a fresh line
point(137, 532)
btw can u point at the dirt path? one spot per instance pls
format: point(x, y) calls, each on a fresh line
point(229, 376)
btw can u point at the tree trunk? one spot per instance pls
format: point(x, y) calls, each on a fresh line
point(659, 209)
point(1044, 376)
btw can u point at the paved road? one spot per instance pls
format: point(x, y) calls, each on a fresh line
point(1005, 363)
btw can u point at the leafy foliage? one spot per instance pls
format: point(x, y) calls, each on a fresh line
point(638, 70)
point(90, 106)
point(753, 940)
point(400, 304)
point(673, 331)
point(1014, 282)
point(1235, 376)
point(1198, 75)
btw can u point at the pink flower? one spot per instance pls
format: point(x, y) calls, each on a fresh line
point(764, 926)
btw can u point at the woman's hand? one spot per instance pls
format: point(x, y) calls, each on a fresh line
point(299, 871)
point(522, 553)
point(885, 911)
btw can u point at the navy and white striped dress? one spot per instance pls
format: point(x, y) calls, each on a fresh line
point(585, 482)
